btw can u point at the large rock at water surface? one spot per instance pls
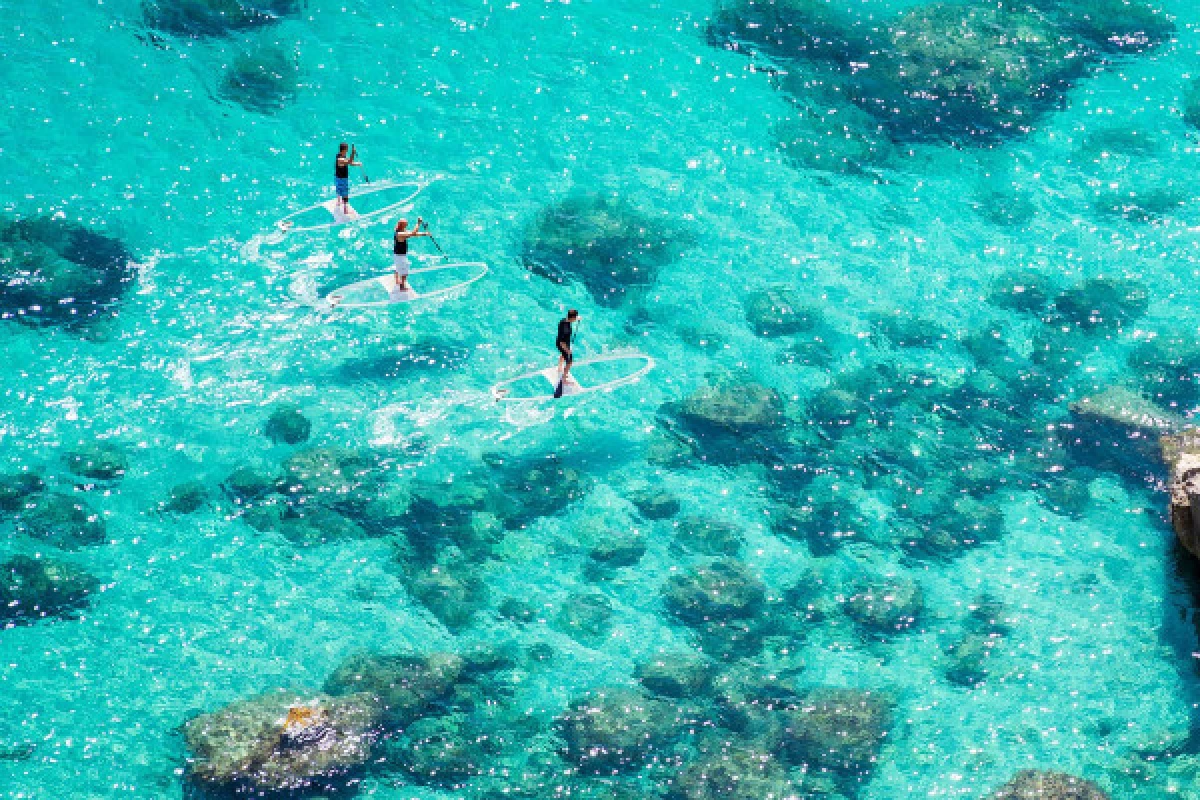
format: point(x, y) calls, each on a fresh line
point(616, 729)
point(1182, 454)
point(406, 686)
point(57, 272)
point(62, 520)
point(601, 241)
point(214, 17)
point(1035, 784)
point(263, 80)
point(283, 741)
point(32, 588)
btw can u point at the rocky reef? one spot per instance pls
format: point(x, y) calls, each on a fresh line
point(57, 272)
point(616, 729)
point(287, 425)
point(62, 520)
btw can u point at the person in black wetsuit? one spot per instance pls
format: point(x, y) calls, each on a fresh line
point(400, 250)
point(563, 343)
point(341, 174)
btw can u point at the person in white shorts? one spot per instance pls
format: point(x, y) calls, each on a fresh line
point(400, 250)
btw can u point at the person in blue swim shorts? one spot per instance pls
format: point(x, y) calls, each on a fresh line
point(341, 180)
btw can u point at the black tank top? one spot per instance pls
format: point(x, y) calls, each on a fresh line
point(341, 170)
point(564, 333)
point(400, 246)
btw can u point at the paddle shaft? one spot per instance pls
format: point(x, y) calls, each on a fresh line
point(353, 153)
point(435, 244)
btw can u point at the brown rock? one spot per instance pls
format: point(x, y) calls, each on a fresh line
point(1182, 455)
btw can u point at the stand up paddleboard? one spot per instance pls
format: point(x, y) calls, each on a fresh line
point(424, 283)
point(368, 203)
point(598, 374)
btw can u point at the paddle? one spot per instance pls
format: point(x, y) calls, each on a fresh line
point(435, 244)
point(353, 153)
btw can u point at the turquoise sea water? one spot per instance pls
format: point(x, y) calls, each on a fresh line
point(507, 109)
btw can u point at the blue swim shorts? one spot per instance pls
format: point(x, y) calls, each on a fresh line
point(343, 187)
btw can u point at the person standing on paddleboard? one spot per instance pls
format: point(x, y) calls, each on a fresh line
point(400, 250)
point(341, 174)
point(563, 343)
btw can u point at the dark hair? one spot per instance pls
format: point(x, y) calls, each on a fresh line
point(572, 314)
point(343, 146)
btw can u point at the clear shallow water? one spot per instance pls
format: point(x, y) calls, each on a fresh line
point(511, 107)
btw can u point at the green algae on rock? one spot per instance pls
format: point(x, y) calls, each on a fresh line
point(34, 588)
point(841, 730)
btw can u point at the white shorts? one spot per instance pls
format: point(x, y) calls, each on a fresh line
point(400, 263)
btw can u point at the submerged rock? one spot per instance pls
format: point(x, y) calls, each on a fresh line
point(452, 596)
point(1112, 26)
point(214, 17)
point(17, 488)
point(708, 536)
point(441, 751)
point(56, 272)
point(32, 588)
point(330, 475)
point(779, 311)
point(585, 616)
point(186, 498)
point(406, 686)
point(616, 729)
point(738, 773)
point(601, 241)
point(1023, 290)
point(282, 741)
point(887, 606)
point(813, 29)
point(541, 487)
point(904, 329)
point(842, 141)
point(969, 73)
point(263, 80)
point(62, 521)
point(1168, 369)
point(1119, 429)
point(744, 408)
point(1103, 306)
point(101, 461)
point(247, 484)
point(655, 504)
point(618, 549)
point(287, 425)
point(969, 658)
point(682, 675)
point(1033, 784)
point(840, 730)
point(306, 526)
point(725, 589)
